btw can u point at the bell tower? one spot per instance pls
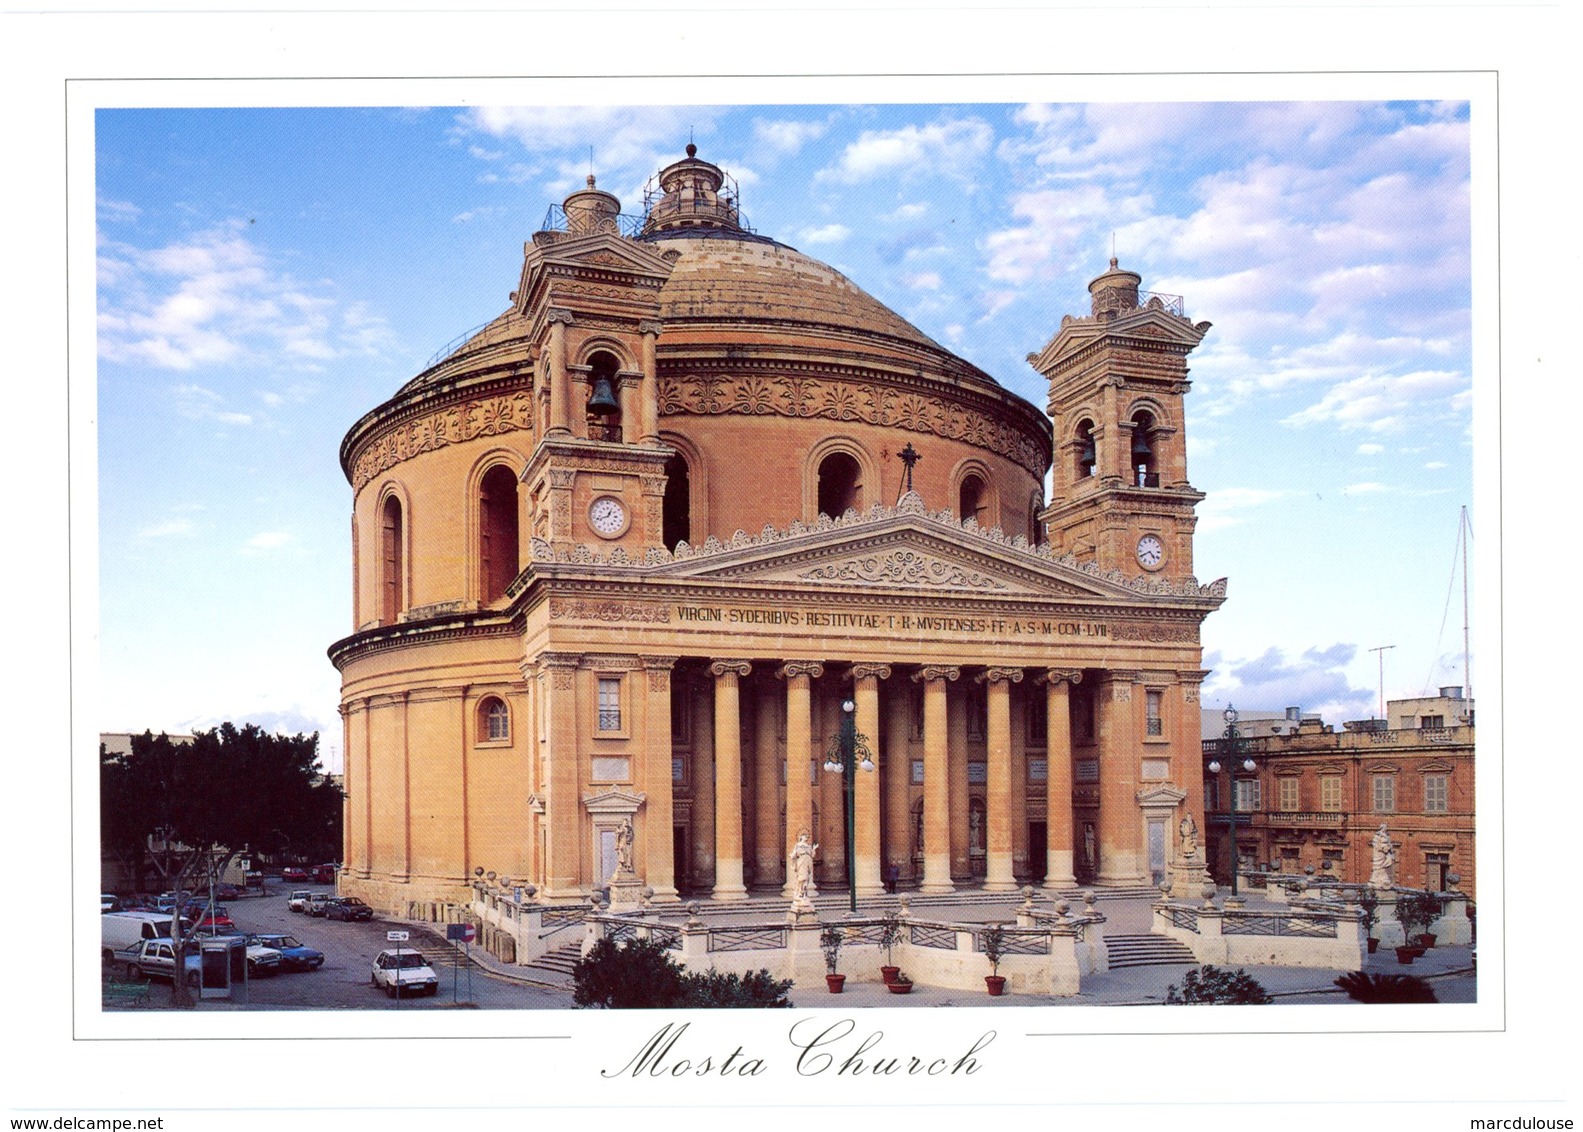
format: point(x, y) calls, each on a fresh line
point(1121, 498)
point(591, 296)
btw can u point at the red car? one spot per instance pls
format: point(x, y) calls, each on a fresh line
point(294, 874)
point(323, 874)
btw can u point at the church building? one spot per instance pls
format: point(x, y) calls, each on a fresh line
point(626, 558)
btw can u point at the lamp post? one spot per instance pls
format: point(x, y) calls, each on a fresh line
point(848, 751)
point(1230, 716)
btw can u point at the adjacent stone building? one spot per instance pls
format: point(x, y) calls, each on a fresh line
point(623, 556)
point(1316, 796)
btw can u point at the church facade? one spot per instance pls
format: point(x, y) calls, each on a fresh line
point(627, 557)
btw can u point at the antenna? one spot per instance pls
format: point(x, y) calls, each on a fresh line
point(1467, 674)
point(1381, 650)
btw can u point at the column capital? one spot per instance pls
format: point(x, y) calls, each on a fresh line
point(999, 676)
point(736, 667)
point(560, 315)
point(810, 668)
point(871, 671)
point(937, 672)
point(1055, 676)
point(650, 326)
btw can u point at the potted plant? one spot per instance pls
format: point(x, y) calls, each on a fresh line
point(889, 936)
point(901, 984)
point(1416, 911)
point(830, 944)
point(1370, 904)
point(994, 948)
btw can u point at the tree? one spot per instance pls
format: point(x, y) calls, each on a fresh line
point(1363, 987)
point(641, 974)
point(1210, 985)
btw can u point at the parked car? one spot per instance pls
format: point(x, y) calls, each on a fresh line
point(223, 891)
point(299, 900)
point(262, 960)
point(324, 874)
point(255, 879)
point(294, 955)
point(109, 902)
point(156, 958)
point(347, 908)
point(403, 972)
point(294, 874)
point(210, 922)
point(317, 902)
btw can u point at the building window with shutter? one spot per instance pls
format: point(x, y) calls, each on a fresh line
point(609, 703)
point(1330, 793)
point(1436, 794)
point(1152, 702)
point(1385, 793)
point(1290, 794)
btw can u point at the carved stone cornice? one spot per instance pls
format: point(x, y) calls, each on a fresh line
point(560, 314)
point(997, 675)
point(937, 672)
point(813, 669)
point(592, 609)
point(740, 668)
point(871, 672)
point(905, 567)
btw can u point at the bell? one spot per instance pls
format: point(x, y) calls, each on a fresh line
point(1085, 455)
point(602, 401)
point(1140, 447)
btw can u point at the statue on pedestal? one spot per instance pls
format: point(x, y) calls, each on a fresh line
point(1188, 831)
point(800, 868)
point(1383, 874)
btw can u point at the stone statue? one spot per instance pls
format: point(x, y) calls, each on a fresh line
point(802, 866)
point(1384, 859)
point(624, 839)
point(1189, 834)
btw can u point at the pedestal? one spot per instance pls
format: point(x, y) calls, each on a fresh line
point(626, 892)
point(1187, 876)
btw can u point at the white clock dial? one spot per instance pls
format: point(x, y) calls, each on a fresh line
point(1150, 552)
point(607, 516)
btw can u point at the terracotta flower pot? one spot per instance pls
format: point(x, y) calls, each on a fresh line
point(835, 983)
point(1427, 940)
point(889, 973)
point(899, 988)
point(996, 985)
point(1406, 954)
point(1374, 945)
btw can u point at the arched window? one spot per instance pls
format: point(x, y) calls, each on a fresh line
point(604, 398)
point(494, 720)
point(390, 566)
point(497, 532)
point(1035, 528)
point(1145, 472)
point(973, 499)
point(840, 484)
point(676, 520)
point(1087, 452)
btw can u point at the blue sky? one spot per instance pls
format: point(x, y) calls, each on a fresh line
point(267, 276)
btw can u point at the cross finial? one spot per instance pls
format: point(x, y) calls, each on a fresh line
point(909, 456)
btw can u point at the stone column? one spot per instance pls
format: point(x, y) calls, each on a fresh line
point(649, 394)
point(998, 874)
point(563, 851)
point(702, 848)
point(560, 380)
point(865, 694)
point(401, 866)
point(728, 779)
point(768, 838)
point(1187, 752)
point(799, 752)
point(1120, 834)
point(659, 863)
point(895, 768)
point(936, 804)
point(1059, 837)
point(631, 399)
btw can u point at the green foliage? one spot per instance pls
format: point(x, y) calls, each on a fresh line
point(1363, 987)
point(1370, 904)
point(889, 934)
point(994, 946)
point(1210, 985)
point(830, 939)
point(1416, 911)
point(228, 789)
point(642, 975)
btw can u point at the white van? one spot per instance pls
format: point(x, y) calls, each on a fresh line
point(125, 930)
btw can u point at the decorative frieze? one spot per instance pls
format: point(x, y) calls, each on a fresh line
point(906, 568)
point(583, 609)
point(488, 416)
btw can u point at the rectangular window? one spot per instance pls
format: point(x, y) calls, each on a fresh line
point(1330, 794)
point(1436, 794)
point(1086, 770)
point(917, 771)
point(678, 769)
point(1037, 721)
point(1151, 702)
point(1385, 793)
point(1038, 770)
point(610, 703)
point(1248, 794)
point(977, 772)
point(1432, 722)
point(1290, 794)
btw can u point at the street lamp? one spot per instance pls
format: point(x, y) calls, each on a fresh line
point(848, 751)
point(1248, 764)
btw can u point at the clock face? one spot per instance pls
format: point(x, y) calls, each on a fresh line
point(607, 516)
point(1150, 552)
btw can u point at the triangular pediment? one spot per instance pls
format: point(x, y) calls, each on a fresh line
point(605, 251)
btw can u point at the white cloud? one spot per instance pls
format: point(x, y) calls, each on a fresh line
point(941, 147)
point(167, 528)
point(787, 136)
point(627, 140)
point(1230, 507)
point(1365, 488)
point(907, 212)
point(1389, 403)
point(828, 234)
point(1370, 449)
point(271, 540)
point(118, 211)
point(923, 281)
point(1436, 465)
point(1057, 223)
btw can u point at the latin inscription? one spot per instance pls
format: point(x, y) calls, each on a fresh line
point(895, 622)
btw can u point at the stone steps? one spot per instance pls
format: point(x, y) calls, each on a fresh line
point(1146, 951)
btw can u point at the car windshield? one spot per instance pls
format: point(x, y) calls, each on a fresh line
point(407, 960)
point(284, 941)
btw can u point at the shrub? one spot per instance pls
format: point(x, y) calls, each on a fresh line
point(1363, 987)
point(642, 975)
point(1209, 984)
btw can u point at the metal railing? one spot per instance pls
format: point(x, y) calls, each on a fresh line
point(747, 939)
point(1245, 923)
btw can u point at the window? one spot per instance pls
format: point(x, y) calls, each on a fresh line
point(971, 500)
point(917, 772)
point(1145, 473)
point(1248, 794)
point(1436, 794)
point(1432, 722)
point(1385, 793)
point(390, 545)
point(676, 513)
point(1151, 709)
point(1087, 453)
point(1436, 866)
point(495, 721)
point(610, 703)
point(497, 532)
point(1036, 720)
point(1330, 793)
point(1290, 793)
point(840, 484)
